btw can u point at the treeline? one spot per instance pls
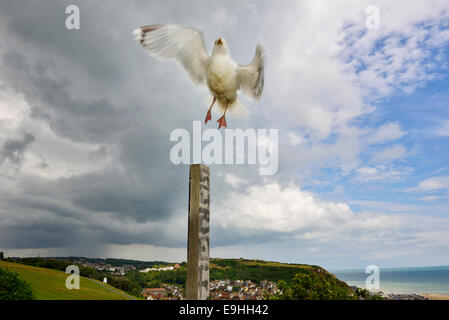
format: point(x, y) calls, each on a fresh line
point(233, 269)
point(119, 262)
point(122, 283)
point(155, 279)
point(57, 264)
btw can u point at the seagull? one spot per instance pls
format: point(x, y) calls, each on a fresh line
point(222, 75)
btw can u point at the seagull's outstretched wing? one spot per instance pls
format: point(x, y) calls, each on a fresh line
point(167, 42)
point(250, 78)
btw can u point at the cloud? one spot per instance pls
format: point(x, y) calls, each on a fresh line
point(269, 207)
point(384, 173)
point(13, 149)
point(387, 132)
point(234, 181)
point(443, 130)
point(433, 198)
point(293, 220)
point(390, 154)
point(402, 55)
point(432, 184)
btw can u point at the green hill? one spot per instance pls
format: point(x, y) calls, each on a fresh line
point(232, 269)
point(257, 270)
point(48, 284)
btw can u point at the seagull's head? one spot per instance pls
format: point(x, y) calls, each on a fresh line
point(220, 41)
point(221, 46)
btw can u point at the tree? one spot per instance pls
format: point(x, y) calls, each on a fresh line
point(313, 286)
point(13, 288)
point(364, 294)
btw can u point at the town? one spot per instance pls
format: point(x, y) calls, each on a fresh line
point(219, 290)
point(105, 267)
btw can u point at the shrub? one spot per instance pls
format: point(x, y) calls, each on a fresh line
point(13, 288)
point(313, 286)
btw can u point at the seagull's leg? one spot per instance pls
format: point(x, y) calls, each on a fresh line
point(209, 116)
point(222, 120)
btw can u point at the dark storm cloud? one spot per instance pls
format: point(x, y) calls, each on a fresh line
point(126, 196)
point(13, 149)
point(96, 120)
point(96, 85)
point(33, 221)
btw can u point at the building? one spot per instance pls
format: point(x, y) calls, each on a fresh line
point(157, 269)
point(154, 293)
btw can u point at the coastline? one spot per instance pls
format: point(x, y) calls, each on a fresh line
point(408, 283)
point(435, 296)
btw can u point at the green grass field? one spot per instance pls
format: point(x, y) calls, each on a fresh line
point(49, 284)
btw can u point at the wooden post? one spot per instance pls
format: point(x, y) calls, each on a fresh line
point(197, 286)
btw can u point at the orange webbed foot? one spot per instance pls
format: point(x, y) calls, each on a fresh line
point(208, 117)
point(222, 122)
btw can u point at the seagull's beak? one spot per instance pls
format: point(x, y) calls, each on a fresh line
point(219, 41)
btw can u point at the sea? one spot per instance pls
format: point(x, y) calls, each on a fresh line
point(417, 280)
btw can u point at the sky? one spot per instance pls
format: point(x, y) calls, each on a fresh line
point(362, 116)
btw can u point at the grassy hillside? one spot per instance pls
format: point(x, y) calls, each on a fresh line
point(48, 284)
point(257, 270)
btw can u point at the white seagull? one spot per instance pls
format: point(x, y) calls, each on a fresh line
point(219, 72)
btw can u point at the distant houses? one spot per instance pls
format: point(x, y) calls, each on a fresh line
point(167, 268)
point(240, 289)
point(154, 293)
point(100, 266)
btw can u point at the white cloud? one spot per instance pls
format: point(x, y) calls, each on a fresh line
point(297, 220)
point(432, 184)
point(381, 173)
point(270, 207)
point(295, 140)
point(49, 156)
point(390, 153)
point(327, 75)
point(305, 76)
point(12, 105)
point(387, 132)
point(234, 181)
point(432, 198)
point(400, 55)
point(443, 130)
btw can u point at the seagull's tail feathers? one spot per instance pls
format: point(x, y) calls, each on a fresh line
point(138, 35)
point(236, 109)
